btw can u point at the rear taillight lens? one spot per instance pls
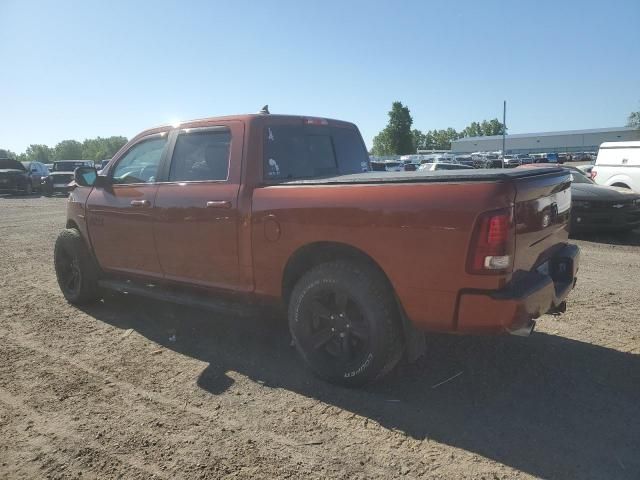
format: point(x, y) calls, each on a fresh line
point(492, 242)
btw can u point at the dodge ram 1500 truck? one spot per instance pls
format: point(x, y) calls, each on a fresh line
point(281, 210)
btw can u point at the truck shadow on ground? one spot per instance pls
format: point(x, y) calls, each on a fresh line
point(546, 405)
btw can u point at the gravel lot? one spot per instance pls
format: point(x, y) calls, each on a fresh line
point(103, 393)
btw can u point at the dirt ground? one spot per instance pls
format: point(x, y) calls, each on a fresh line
point(105, 393)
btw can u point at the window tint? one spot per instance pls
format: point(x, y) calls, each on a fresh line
point(201, 155)
point(298, 152)
point(140, 164)
point(351, 152)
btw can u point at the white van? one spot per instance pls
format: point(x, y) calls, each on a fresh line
point(618, 165)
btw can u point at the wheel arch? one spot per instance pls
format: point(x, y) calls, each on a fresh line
point(311, 255)
point(72, 224)
point(620, 184)
point(618, 179)
point(84, 235)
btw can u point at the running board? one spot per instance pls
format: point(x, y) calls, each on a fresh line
point(180, 297)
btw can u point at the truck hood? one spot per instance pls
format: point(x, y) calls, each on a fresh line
point(584, 191)
point(61, 174)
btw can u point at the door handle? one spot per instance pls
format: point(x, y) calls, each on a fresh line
point(140, 203)
point(218, 204)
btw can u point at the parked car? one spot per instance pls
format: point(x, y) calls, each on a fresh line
point(599, 208)
point(61, 175)
point(596, 207)
point(387, 166)
point(274, 210)
point(432, 167)
point(618, 165)
point(464, 160)
point(14, 177)
point(511, 161)
point(37, 171)
point(524, 159)
point(586, 169)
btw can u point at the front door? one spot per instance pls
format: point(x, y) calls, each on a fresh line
point(196, 209)
point(120, 215)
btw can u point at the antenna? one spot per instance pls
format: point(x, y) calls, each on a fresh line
point(264, 110)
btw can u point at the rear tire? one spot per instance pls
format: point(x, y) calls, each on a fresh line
point(76, 270)
point(344, 322)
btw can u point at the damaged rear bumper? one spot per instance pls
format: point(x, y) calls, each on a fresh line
point(527, 296)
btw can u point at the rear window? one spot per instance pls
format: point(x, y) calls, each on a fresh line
point(299, 151)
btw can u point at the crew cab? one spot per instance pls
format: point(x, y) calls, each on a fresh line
point(275, 210)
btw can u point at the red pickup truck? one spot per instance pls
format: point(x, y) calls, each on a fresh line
point(263, 209)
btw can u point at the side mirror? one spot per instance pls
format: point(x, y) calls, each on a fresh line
point(85, 176)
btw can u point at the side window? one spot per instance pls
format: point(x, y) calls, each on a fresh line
point(201, 156)
point(140, 164)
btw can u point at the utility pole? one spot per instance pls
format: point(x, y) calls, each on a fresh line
point(504, 129)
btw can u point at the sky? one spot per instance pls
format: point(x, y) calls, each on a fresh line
point(81, 69)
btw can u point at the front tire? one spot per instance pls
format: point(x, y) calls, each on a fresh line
point(76, 271)
point(344, 322)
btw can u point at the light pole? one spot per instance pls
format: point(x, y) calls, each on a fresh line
point(504, 129)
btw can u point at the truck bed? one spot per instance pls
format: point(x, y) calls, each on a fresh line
point(480, 175)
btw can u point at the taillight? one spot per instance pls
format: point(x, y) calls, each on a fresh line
point(491, 250)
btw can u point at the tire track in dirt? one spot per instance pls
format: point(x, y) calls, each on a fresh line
point(44, 433)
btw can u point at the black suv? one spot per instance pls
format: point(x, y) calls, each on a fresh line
point(14, 177)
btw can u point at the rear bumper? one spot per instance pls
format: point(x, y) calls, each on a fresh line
point(527, 296)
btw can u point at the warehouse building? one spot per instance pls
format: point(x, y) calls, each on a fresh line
point(547, 142)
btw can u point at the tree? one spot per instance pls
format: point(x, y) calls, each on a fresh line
point(99, 148)
point(472, 130)
point(37, 153)
point(6, 153)
point(419, 139)
point(396, 138)
point(633, 120)
point(485, 128)
point(68, 150)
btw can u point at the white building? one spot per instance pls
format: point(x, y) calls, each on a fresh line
point(547, 142)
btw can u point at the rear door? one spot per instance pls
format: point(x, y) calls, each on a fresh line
point(196, 209)
point(119, 215)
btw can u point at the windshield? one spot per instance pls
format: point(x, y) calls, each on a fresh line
point(66, 166)
point(10, 163)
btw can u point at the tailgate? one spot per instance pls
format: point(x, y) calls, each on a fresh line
point(542, 209)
